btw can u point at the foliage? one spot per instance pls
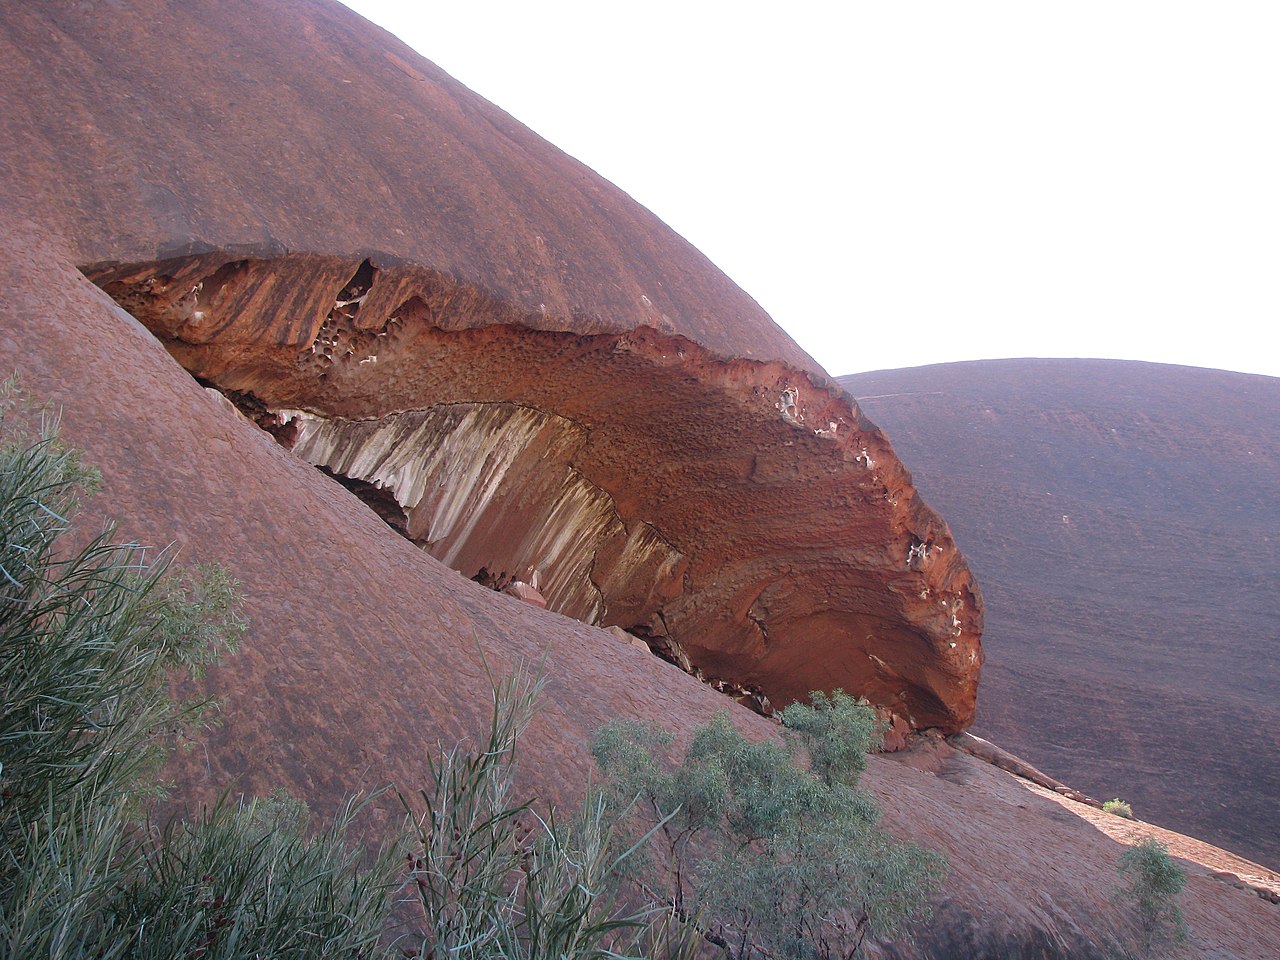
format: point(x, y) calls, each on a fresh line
point(90, 639)
point(1119, 808)
point(1154, 884)
point(248, 880)
point(766, 854)
point(495, 879)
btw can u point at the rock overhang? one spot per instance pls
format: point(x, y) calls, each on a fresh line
point(335, 233)
point(741, 511)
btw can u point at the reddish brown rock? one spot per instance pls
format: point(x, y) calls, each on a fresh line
point(629, 639)
point(504, 356)
point(363, 652)
point(1124, 520)
point(526, 593)
point(169, 142)
point(897, 734)
point(239, 132)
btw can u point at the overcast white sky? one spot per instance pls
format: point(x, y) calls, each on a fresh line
point(901, 183)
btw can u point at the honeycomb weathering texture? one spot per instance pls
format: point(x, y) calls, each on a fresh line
point(744, 510)
point(327, 228)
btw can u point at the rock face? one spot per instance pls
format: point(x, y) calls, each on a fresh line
point(512, 363)
point(281, 194)
point(1125, 521)
point(364, 652)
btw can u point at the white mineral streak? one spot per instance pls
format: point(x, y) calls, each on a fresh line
point(789, 406)
point(645, 555)
point(462, 472)
point(577, 522)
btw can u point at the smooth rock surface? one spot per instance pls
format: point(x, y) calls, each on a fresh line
point(1125, 521)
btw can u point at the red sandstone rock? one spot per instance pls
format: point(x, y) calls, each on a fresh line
point(153, 132)
point(363, 652)
point(523, 591)
point(897, 734)
point(1131, 649)
point(503, 355)
point(629, 639)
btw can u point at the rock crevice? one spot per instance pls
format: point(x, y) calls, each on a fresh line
point(745, 509)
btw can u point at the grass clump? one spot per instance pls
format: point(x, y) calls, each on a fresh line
point(1118, 808)
point(495, 879)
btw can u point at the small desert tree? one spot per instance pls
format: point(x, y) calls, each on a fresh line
point(1154, 884)
point(771, 849)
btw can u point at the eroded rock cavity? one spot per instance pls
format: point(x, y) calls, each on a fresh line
point(491, 489)
point(743, 513)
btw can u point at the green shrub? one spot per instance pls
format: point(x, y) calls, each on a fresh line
point(765, 854)
point(90, 639)
point(249, 880)
point(1154, 884)
point(495, 879)
point(1119, 808)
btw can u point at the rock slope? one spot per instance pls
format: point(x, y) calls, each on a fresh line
point(271, 195)
point(1125, 521)
point(365, 652)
